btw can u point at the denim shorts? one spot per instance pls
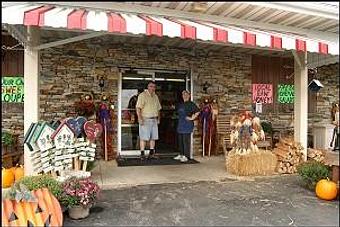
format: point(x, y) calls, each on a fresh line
point(149, 130)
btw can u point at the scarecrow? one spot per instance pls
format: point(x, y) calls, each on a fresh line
point(246, 131)
point(206, 121)
point(245, 158)
point(336, 131)
point(85, 106)
point(213, 130)
point(104, 115)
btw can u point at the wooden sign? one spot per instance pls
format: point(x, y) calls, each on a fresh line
point(285, 93)
point(92, 130)
point(77, 124)
point(28, 136)
point(44, 140)
point(262, 93)
point(32, 136)
point(12, 89)
point(63, 137)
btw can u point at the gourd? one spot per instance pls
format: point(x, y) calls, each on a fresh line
point(19, 173)
point(7, 178)
point(326, 189)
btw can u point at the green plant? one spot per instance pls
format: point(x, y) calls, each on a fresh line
point(7, 139)
point(311, 172)
point(90, 166)
point(42, 181)
point(19, 192)
point(267, 127)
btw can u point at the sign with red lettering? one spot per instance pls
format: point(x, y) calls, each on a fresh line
point(262, 93)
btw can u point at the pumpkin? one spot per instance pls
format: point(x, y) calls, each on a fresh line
point(45, 212)
point(18, 173)
point(7, 178)
point(12, 169)
point(326, 189)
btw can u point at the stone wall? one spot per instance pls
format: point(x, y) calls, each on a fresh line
point(68, 71)
point(12, 114)
point(329, 77)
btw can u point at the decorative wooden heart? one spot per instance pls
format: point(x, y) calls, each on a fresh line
point(92, 130)
point(77, 124)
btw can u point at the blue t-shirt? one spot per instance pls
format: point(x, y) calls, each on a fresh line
point(186, 109)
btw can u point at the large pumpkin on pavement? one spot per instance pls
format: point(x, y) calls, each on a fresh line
point(46, 211)
point(326, 189)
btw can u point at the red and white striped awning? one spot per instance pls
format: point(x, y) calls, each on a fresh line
point(84, 19)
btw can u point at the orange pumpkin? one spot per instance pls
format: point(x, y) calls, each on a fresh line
point(12, 169)
point(326, 189)
point(45, 212)
point(7, 178)
point(18, 173)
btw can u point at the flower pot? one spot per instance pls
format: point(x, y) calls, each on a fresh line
point(79, 212)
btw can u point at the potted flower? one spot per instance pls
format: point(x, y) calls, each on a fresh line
point(79, 195)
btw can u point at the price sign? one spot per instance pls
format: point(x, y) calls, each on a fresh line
point(285, 93)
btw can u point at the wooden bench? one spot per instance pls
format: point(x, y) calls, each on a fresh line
point(223, 132)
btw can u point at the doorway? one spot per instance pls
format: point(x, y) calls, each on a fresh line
point(170, 84)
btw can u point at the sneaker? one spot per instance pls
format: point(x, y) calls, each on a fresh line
point(178, 157)
point(184, 159)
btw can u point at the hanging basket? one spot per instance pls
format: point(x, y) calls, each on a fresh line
point(79, 212)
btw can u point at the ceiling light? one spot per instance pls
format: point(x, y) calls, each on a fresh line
point(199, 7)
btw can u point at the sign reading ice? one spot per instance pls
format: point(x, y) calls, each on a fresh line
point(12, 89)
point(285, 93)
point(262, 93)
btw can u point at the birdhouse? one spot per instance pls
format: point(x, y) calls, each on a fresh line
point(63, 136)
point(44, 140)
point(315, 85)
point(31, 137)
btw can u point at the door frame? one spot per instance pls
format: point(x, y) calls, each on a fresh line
point(122, 69)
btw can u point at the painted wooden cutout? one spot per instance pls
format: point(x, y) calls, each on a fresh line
point(92, 130)
point(77, 124)
point(44, 140)
point(64, 135)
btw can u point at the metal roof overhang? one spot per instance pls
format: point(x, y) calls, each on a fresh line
point(89, 23)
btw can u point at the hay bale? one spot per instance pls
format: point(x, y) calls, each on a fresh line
point(257, 163)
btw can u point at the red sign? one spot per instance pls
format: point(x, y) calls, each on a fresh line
point(262, 93)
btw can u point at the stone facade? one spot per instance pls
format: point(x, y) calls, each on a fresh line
point(329, 77)
point(69, 71)
point(12, 114)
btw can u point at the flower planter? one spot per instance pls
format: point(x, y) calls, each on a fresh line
point(79, 212)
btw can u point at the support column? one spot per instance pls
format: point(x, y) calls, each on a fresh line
point(31, 89)
point(301, 100)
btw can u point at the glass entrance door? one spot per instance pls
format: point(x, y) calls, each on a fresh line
point(169, 88)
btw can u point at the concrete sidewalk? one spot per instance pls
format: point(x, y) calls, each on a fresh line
point(109, 176)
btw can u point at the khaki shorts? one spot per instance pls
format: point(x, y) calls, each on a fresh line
point(149, 130)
